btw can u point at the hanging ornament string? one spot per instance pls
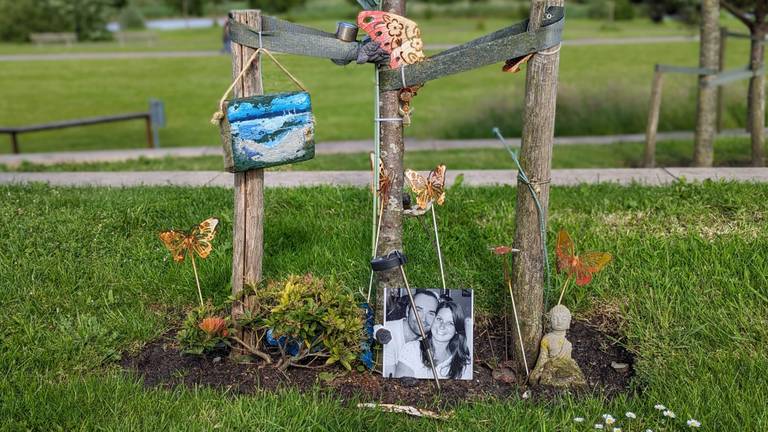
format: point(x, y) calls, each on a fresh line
point(523, 177)
point(218, 116)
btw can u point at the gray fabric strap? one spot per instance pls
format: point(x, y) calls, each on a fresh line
point(510, 42)
point(286, 37)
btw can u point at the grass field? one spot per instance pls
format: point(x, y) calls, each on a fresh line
point(602, 90)
point(83, 277)
point(728, 152)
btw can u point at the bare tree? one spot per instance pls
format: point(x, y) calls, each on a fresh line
point(392, 150)
point(706, 110)
point(755, 22)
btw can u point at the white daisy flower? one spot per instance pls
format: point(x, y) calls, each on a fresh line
point(693, 423)
point(610, 420)
point(598, 426)
point(649, 430)
point(631, 415)
point(660, 407)
point(669, 413)
point(616, 429)
point(578, 419)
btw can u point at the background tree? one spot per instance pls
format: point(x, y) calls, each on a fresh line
point(276, 6)
point(752, 14)
point(187, 7)
point(86, 18)
point(706, 107)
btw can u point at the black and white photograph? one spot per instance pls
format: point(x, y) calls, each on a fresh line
point(447, 321)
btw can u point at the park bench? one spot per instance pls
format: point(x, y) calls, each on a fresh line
point(53, 38)
point(136, 37)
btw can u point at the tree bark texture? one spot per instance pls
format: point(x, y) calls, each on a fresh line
point(706, 108)
point(392, 150)
point(756, 98)
point(248, 221)
point(536, 159)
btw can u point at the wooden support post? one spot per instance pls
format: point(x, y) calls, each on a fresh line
point(150, 139)
point(654, 106)
point(706, 106)
point(721, 68)
point(536, 159)
point(14, 143)
point(392, 150)
point(248, 238)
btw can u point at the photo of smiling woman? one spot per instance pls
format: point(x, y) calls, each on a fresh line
point(450, 340)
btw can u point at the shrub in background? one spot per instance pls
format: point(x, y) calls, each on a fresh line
point(130, 18)
point(86, 18)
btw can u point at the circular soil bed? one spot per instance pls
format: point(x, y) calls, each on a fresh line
point(599, 355)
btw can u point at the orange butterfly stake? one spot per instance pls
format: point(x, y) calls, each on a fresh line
point(196, 241)
point(577, 267)
point(430, 189)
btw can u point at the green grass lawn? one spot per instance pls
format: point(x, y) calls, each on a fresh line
point(442, 30)
point(602, 90)
point(728, 152)
point(83, 277)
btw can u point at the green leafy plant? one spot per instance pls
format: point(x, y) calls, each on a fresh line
point(311, 319)
point(204, 331)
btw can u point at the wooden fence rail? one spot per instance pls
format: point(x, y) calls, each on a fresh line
point(154, 119)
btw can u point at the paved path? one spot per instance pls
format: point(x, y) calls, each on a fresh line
point(331, 147)
point(650, 177)
point(193, 54)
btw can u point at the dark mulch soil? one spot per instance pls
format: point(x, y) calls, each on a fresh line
point(160, 363)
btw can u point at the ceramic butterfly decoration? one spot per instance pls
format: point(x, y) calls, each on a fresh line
point(384, 179)
point(397, 35)
point(196, 241)
point(579, 267)
point(429, 189)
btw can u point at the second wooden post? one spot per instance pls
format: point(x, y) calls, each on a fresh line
point(536, 159)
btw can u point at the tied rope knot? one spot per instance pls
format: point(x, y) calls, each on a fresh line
point(218, 116)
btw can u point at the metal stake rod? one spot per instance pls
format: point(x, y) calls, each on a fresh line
point(439, 252)
point(421, 328)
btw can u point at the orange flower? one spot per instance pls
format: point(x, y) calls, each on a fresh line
point(214, 326)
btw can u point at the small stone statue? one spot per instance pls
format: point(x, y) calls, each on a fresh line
point(555, 367)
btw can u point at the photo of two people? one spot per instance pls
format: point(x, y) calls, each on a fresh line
point(447, 320)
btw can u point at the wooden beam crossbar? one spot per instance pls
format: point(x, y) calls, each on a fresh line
point(146, 116)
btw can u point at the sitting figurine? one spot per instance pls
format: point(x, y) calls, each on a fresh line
point(555, 367)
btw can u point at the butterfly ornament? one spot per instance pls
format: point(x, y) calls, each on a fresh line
point(428, 190)
point(580, 268)
point(397, 35)
point(401, 39)
point(196, 241)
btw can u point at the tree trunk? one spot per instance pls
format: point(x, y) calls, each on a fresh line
point(536, 160)
point(392, 150)
point(706, 111)
point(756, 98)
point(248, 221)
